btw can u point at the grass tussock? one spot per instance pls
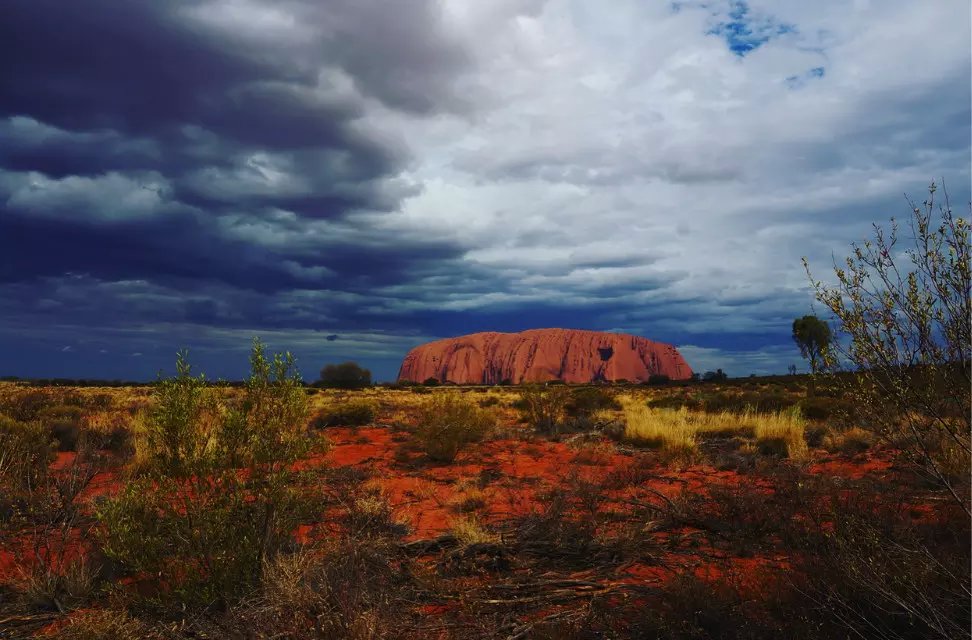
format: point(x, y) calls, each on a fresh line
point(783, 430)
point(468, 530)
point(674, 431)
point(851, 442)
point(679, 431)
point(449, 422)
point(350, 413)
point(104, 624)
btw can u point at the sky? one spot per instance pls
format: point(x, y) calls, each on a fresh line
point(347, 179)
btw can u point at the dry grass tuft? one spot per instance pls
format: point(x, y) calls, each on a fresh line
point(783, 430)
point(851, 441)
point(678, 431)
point(468, 531)
point(52, 588)
point(104, 624)
point(469, 496)
point(673, 431)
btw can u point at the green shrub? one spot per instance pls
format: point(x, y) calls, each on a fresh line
point(352, 413)
point(66, 433)
point(220, 497)
point(544, 408)
point(776, 447)
point(60, 411)
point(903, 314)
point(64, 423)
point(815, 434)
point(448, 423)
point(677, 401)
point(718, 401)
point(584, 401)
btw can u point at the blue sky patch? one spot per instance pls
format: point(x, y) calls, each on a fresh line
point(745, 32)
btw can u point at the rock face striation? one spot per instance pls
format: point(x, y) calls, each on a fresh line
point(541, 355)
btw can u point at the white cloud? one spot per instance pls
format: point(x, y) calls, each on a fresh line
point(633, 128)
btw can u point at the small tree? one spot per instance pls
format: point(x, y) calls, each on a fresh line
point(812, 336)
point(906, 320)
point(347, 375)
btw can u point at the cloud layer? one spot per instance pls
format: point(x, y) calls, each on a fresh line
point(351, 178)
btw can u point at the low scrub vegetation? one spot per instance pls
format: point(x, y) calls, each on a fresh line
point(199, 512)
point(347, 413)
point(26, 450)
point(448, 422)
point(903, 311)
point(851, 441)
point(556, 409)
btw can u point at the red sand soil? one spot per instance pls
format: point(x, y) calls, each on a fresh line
point(877, 463)
point(509, 475)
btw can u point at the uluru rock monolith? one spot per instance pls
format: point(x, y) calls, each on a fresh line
point(541, 355)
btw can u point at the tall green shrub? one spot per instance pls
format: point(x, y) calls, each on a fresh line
point(220, 496)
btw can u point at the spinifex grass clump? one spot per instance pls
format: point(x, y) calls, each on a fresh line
point(64, 424)
point(449, 422)
point(673, 431)
point(350, 413)
point(218, 496)
point(780, 432)
point(678, 431)
point(26, 451)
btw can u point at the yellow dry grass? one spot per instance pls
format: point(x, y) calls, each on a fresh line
point(786, 427)
point(468, 531)
point(677, 431)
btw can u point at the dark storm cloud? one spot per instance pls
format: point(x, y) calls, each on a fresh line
point(144, 66)
point(145, 84)
point(161, 93)
point(170, 163)
point(142, 70)
point(185, 246)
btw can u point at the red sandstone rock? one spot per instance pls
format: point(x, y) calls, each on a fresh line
point(543, 354)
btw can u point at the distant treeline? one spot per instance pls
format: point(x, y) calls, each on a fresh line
point(653, 381)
